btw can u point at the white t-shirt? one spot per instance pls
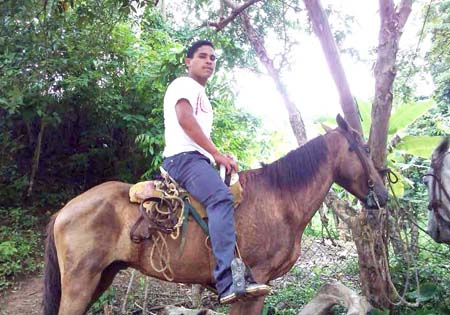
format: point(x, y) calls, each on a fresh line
point(177, 141)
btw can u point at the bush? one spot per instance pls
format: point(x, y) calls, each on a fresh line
point(20, 245)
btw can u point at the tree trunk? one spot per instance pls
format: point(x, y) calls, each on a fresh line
point(36, 157)
point(370, 240)
point(257, 43)
point(322, 29)
point(392, 23)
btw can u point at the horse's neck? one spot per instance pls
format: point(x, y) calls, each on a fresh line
point(311, 197)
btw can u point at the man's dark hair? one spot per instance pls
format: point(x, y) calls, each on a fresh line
point(196, 45)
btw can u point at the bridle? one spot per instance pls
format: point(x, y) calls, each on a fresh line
point(371, 199)
point(437, 188)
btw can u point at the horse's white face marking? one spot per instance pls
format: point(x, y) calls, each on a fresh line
point(439, 216)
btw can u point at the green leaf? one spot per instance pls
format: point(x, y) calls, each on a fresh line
point(427, 292)
point(444, 126)
point(421, 146)
point(408, 113)
point(377, 311)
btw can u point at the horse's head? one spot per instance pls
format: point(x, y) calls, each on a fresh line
point(438, 183)
point(354, 169)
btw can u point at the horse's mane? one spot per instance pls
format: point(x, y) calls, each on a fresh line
point(298, 167)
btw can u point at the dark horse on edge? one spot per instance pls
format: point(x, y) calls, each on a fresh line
point(438, 184)
point(89, 241)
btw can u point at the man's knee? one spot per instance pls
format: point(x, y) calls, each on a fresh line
point(222, 197)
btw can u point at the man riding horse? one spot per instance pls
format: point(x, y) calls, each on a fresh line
point(189, 157)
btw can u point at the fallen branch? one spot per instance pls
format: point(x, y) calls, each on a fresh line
point(336, 294)
point(173, 310)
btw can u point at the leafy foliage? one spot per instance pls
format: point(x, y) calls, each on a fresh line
point(20, 244)
point(92, 80)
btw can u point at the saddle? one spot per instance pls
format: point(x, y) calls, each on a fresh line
point(166, 207)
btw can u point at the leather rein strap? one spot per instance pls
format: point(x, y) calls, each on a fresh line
point(354, 146)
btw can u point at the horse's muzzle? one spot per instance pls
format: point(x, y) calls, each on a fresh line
point(376, 198)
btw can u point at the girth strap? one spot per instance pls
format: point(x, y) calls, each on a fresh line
point(190, 210)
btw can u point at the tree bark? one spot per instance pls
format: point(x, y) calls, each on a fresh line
point(370, 240)
point(392, 23)
point(322, 29)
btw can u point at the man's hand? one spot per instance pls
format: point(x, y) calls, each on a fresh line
point(226, 160)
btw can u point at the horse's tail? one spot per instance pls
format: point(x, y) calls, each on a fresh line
point(52, 274)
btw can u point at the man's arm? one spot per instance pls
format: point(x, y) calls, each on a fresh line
point(187, 121)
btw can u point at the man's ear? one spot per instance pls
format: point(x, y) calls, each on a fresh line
point(325, 127)
point(187, 61)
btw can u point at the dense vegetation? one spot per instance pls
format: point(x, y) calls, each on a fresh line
point(81, 91)
point(81, 88)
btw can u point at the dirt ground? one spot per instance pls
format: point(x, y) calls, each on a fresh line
point(25, 297)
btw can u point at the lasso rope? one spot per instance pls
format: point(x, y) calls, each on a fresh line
point(161, 214)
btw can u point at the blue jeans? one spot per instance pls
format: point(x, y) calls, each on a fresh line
point(193, 171)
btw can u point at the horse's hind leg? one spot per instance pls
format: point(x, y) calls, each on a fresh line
point(77, 291)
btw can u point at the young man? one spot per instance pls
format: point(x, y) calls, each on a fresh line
point(189, 158)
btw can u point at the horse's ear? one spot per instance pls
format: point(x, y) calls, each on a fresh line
point(342, 123)
point(325, 127)
point(442, 147)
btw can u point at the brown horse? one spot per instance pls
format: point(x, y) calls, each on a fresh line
point(89, 239)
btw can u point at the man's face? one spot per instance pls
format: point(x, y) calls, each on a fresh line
point(202, 65)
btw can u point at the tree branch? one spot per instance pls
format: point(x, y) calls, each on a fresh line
point(403, 13)
point(234, 13)
point(322, 29)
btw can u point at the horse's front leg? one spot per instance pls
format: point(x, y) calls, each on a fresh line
point(248, 307)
